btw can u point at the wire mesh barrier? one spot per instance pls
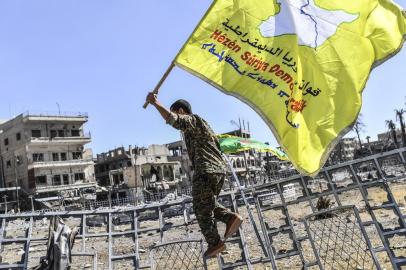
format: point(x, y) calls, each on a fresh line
point(183, 255)
point(339, 241)
point(273, 236)
point(166, 195)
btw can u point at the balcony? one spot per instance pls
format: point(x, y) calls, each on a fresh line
point(57, 188)
point(83, 138)
point(59, 164)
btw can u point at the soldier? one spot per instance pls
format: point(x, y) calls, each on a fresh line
point(209, 172)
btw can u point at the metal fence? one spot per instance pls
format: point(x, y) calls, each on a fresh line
point(339, 241)
point(283, 227)
point(179, 255)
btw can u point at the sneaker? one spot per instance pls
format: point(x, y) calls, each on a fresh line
point(233, 225)
point(213, 251)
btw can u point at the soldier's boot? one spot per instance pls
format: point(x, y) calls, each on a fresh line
point(233, 225)
point(214, 250)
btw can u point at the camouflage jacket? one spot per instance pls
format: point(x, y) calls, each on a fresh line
point(202, 144)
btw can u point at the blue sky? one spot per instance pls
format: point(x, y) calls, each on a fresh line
point(102, 57)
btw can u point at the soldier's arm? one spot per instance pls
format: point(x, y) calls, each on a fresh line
point(152, 99)
point(179, 121)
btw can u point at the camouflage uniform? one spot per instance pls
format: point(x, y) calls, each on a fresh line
point(209, 172)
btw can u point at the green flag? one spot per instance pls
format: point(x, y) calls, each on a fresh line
point(232, 144)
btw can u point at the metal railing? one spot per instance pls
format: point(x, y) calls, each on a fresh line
point(82, 136)
point(54, 114)
point(290, 232)
point(60, 162)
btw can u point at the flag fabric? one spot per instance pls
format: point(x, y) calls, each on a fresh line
point(233, 144)
point(300, 64)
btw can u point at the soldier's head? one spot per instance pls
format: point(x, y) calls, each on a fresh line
point(181, 106)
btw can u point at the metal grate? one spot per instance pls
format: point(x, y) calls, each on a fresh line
point(185, 255)
point(273, 236)
point(339, 241)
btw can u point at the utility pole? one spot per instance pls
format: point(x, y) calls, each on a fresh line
point(5, 203)
point(32, 203)
point(17, 162)
point(3, 178)
point(59, 108)
point(136, 184)
point(109, 197)
point(268, 167)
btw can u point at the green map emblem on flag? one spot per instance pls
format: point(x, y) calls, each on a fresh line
point(301, 64)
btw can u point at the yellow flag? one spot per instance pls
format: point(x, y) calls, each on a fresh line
point(300, 64)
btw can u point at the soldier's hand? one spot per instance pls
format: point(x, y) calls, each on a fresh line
point(151, 98)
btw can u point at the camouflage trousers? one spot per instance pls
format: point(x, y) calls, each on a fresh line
point(205, 189)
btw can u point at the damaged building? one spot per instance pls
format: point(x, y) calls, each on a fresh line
point(139, 171)
point(45, 155)
point(115, 173)
point(247, 164)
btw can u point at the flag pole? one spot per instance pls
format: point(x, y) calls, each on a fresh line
point(166, 74)
point(156, 90)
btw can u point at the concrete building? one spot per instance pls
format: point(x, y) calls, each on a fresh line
point(388, 140)
point(157, 172)
point(130, 172)
point(247, 164)
point(112, 166)
point(45, 154)
point(178, 153)
point(343, 151)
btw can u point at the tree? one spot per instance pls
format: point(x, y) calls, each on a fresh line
point(392, 129)
point(368, 137)
point(359, 128)
point(399, 116)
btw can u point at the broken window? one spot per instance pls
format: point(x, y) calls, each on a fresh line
point(75, 132)
point(54, 133)
point(36, 133)
point(61, 133)
point(19, 160)
point(41, 180)
point(8, 164)
point(6, 141)
point(116, 179)
point(63, 156)
point(65, 179)
point(56, 180)
point(18, 136)
point(55, 156)
point(79, 176)
point(37, 157)
point(76, 155)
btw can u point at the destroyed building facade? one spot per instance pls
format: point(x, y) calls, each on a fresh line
point(45, 154)
point(134, 171)
point(343, 151)
point(387, 139)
